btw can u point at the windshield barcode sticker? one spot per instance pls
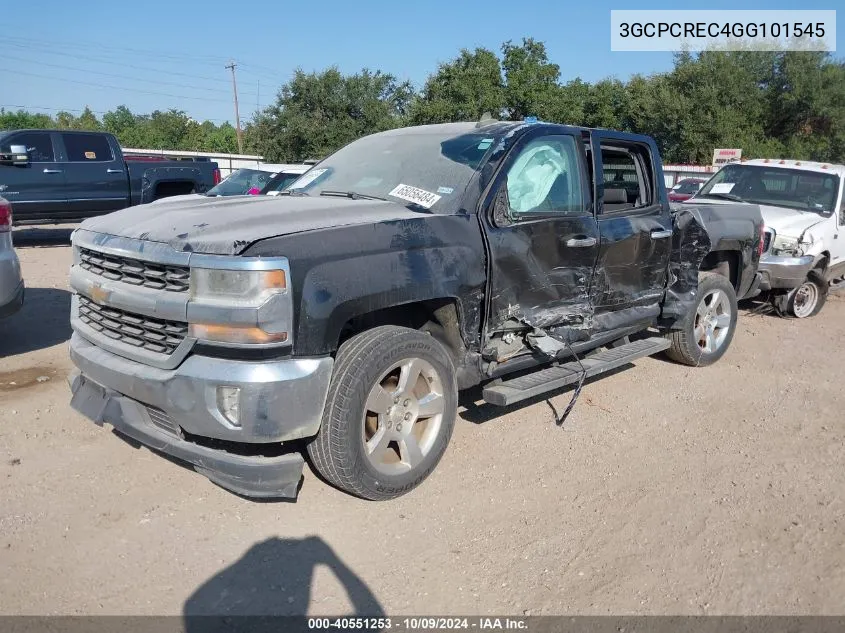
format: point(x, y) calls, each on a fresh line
point(722, 187)
point(307, 178)
point(424, 198)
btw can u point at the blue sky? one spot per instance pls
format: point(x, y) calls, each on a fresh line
point(159, 54)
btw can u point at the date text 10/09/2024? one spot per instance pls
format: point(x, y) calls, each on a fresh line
point(418, 623)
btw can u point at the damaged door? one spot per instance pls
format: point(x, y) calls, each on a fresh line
point(542, 236)
point(635, 225)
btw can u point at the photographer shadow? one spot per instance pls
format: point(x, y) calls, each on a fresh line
point(272, 579)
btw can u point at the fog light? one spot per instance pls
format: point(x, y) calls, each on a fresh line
point(228, 403)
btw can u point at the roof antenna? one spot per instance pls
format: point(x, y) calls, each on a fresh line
point(486, 119)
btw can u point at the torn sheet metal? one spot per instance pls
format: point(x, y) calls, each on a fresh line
point(732, 228)
point(537, 279)
point(631, 269)
point(690, 245)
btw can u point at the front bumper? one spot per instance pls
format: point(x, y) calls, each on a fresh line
point(170, 409)
point(251, 476)
point(279, 400)
point(784, 273)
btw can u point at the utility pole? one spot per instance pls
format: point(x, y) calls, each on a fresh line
point(231, 66)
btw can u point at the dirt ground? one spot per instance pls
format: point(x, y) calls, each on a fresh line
point(670, 490)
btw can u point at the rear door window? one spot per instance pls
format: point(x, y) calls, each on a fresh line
point(87, 148)
point(626, 173)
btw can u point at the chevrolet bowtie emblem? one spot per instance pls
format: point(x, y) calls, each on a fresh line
point(99, 294)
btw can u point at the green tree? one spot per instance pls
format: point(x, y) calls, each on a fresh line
point(316, 113)
point(22, 120)
point(462, 90)
point(531, 82)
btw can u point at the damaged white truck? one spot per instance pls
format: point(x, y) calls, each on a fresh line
point(804, 211)
point(340, 319)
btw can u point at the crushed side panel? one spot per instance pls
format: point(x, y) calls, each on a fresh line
point(690, 245)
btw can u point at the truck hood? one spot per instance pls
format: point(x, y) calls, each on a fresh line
point(227, 226)
point(783, 221)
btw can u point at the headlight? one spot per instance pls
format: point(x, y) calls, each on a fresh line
point(787, 246)
point(240, 306)
point(236, 287)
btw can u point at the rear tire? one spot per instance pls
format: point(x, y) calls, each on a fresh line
point(705, 334)
point(389, 415)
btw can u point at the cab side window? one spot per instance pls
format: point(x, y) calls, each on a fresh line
point(546, 178)
point(842, 211)
point(39, 146)
point(87, 148)
point(627, 178)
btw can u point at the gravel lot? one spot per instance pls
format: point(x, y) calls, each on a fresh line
point(670, 490)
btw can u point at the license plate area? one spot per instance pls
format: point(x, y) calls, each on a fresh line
point(90, 399)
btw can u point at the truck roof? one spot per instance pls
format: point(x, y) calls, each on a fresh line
point(494, 127)
point(807, 165)
point(59, 130)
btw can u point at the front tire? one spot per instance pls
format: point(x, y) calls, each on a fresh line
point(809, 298)
point(707, 331)
point(389, 414)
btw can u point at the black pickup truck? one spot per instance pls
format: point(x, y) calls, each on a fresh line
point(55, 176)
point(344, 315)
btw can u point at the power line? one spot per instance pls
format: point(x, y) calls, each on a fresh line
point(101, 47)
point(149, 53)
point(116, 75)
point(31, 107)
point(99, 60)
point(96, 85)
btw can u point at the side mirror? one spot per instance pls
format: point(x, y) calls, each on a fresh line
point(17, 156)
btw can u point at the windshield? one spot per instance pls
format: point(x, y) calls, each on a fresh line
point(792, 188)
point(426, 169)
point(280, 181)
point(240, 182)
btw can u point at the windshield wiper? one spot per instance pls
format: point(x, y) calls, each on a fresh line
point(352, 195)
point(725, 196)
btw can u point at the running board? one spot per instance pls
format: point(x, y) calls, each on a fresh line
point(544, 380)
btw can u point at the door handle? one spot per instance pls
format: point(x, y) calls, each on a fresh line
point(583, 242)
point(114, 171)
point(660, 234)
point(52, 171)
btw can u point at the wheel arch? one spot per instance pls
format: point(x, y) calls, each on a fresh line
point(822, 261)
point(441, 317)
point(724, 262)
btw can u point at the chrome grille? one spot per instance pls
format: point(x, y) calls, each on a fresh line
point(155, 335)
point(135, 271)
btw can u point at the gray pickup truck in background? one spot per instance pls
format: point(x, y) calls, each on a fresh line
point(56, 176)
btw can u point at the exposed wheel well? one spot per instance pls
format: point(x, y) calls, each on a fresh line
point(176, 188)
point(821, 261)
point(726, 263)
point(438, 317)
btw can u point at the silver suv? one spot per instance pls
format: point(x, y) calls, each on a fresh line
point(11, 282)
